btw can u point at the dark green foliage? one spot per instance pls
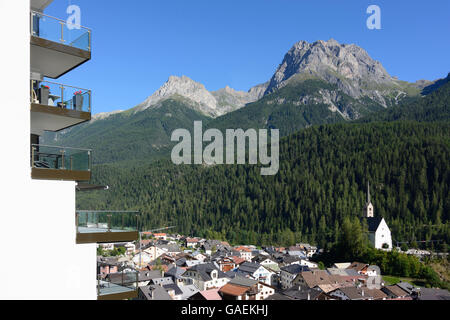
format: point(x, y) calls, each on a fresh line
point(322, 181)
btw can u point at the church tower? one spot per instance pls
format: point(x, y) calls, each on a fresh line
point(368, 208)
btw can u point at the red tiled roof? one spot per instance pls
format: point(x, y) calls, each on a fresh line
point(233, 290)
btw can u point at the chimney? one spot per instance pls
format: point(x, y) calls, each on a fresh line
point(309, 297)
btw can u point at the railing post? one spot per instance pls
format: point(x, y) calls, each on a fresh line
point(62, 96)
point(71, 158)
point(109, 222)
point(62, 31)
point(32, 156)
point(62, 159)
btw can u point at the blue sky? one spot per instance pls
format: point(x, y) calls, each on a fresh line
point(138, 44)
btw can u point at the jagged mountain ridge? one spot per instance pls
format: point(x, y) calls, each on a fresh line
point(213, 104)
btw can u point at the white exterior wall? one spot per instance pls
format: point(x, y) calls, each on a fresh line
point(383, 235)
point(37, 213)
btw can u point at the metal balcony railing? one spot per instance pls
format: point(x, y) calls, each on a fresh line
point(60, 158)
point(57, 30)
point(59, 95)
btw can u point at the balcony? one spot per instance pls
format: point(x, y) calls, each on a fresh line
point(106, 226)
point(118, 286)
point(55, 106)
point(56, 46)
point(60, 163)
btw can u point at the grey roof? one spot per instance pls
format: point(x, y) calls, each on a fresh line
point(174, 287)
point(149, 275)
point(295, 268)
point(353, 293)
point(433, 294)
point(162, 281)
point(188, 291)
point(205, 269)
point(154, 292)
point(278, 296)
point(301, 293)
point(175, 272)
point(249, 267)
point(373, 223)
point(244, 282)
point(406, 287)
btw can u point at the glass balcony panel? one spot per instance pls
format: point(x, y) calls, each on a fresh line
point(117, 283)
point(59, 95)
point(60, 158)
point(60, 31)
point(106, 221)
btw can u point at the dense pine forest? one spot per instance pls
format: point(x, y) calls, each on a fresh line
point(322, 180)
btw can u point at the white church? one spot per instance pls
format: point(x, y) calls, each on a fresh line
point(379, 232)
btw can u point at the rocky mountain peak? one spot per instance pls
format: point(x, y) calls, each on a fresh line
point(347, 65)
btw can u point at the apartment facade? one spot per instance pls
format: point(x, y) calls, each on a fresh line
point(40, 181)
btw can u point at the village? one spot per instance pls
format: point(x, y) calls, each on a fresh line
point(176, 267)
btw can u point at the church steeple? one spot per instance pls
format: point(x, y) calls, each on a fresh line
point(368, 208)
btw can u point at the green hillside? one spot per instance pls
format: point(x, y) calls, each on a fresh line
point(322, 178)
point(132, 137)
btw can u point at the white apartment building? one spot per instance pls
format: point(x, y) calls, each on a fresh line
point(38, 193)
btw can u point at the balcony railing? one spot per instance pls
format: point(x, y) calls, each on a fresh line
point(60, 158)
point(57, 30)
point(106, 226)
point(60, 96)
point(121, 285)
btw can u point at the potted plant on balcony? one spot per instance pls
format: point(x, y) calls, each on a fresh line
point(44, 92)
point(78, 100)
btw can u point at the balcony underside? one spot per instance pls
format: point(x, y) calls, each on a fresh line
point(107, 237)
point(59, 174)
point(53, 59)
point(51, 118)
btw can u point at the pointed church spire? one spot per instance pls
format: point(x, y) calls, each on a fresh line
point(368, 208)
point(368, 192)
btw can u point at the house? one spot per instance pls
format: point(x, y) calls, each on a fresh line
point(169, 249)
point(153, 292)
point(161, 281)
point(379, 232)
point(107, 265)
point(206, 276)
point(211, 294)
point(153, 252)
point(226, 264)
point(191, 242)
point(145, 277)
point(198, 256)
point(348, 293)
point(289, 273)
point(374, 294)
point(319, 279)
point(302, 293)
point(255, 271)
point(244, 252)
point(188, 291)
point(174, 291)
point(395, 291)
point(161, 236)
point(176, 274)
point(241, 288)
point(359, 267)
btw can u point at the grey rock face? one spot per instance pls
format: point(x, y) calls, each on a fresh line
point(213, 104)
point(346, 65)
